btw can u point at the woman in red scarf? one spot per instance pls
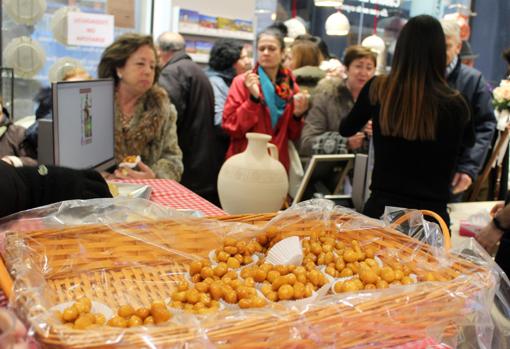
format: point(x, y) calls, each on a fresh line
point(265, 100)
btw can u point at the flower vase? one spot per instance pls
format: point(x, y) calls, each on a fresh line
point(253, 181)
point(503, 118)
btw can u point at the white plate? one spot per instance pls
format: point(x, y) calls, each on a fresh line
point(132, 190)
point(97, 308)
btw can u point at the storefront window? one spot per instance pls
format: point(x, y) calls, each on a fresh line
point(36, 41)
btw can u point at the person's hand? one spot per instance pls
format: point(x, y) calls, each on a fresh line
point(301, 103)
point(488, 237)
point(107, 175)
point(496, 208)
point(7, 160)
point(356, 141)
point(368, 129)
point(251, 81)
point(17, 338)
point(461, 182)
point(144, 172)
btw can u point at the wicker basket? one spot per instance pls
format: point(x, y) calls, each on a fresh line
point(136, 263)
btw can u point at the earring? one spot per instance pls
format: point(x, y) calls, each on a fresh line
point(119, 76)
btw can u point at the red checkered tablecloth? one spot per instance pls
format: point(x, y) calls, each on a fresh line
point(170, 193)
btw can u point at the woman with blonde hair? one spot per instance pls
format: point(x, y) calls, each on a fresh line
point(419, 124)
point(305, 60)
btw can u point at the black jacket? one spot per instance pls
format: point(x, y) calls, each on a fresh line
point(471, 84)
point(22, 188)
point(412, 173)
point(192, 94)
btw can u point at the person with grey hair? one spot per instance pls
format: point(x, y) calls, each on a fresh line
point(473, 87)
point(191, 92)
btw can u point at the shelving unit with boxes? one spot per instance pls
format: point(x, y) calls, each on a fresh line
point(201, 30)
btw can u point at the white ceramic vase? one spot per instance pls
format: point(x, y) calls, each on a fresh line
point(253, 181)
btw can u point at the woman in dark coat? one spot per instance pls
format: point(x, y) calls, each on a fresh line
point(419, 124)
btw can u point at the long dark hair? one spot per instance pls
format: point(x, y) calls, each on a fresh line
point(410, 94)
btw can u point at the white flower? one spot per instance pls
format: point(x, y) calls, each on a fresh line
point(498, 93)
point(505, 83)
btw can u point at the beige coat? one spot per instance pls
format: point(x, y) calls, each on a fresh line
point(331, 102)
point(152, 134)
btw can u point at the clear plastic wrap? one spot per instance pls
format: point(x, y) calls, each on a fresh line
point(132, 251)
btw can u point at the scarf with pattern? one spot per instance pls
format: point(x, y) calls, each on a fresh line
point(276, 95)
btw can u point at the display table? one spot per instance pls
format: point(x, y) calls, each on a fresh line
point(172, 194)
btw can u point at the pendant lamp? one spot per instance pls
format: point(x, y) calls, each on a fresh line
point(337, 24)
point(295, 26)
point(374, 42)
point(328, 3)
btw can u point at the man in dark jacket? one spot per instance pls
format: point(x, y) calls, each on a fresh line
point(22, 188)
point(471, 84)
point(190, 91)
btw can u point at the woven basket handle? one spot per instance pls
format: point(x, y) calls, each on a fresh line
point(442, 224)
point(5, 279)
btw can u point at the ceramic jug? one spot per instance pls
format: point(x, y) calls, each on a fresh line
point(253, 181)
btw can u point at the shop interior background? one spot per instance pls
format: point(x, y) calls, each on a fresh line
point(490, 29)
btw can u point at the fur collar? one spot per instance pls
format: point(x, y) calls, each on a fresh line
point(332, 87)
point(151, 112)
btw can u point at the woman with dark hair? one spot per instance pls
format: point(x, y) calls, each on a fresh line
point(145, 119)
point(227, 59)
point(265, 100)
point(419, 124)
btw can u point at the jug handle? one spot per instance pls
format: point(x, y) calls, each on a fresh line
point(273, 150)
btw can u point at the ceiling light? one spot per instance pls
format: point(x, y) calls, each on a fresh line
point(375, 43)
point(337, 24)
point(295, 27)
point(328, 3)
